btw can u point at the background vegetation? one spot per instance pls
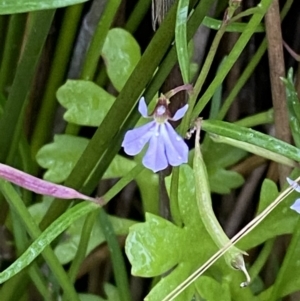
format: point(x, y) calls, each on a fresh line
point(71, 75)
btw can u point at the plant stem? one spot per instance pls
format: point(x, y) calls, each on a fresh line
point(12, 48)
point(200, 80)
point(117, 257)
point(94, 50)
point(44, 123)
point(38, 30)
point(82, 247)
point(249, 69)
point(293, 248)
point(231, 59)
point(137, 15)
point(19, 207)
point(261, 259)
point(277, 70)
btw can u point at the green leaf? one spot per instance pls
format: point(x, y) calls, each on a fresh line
point(232, 27)
point(156, 233)
point(86, 103)
point(119, 167)
point(46, 237)
point(181, 39)
point(20, 6)
point(217, 158)
point(149, 188)
point(252, 141)
point(61, 156)
point(293, 106)
point(290, 280)
point(151, 263)
point(66, 250)
point(121, 54)
point(211, 290)
point(38, 210)
point(281, 220)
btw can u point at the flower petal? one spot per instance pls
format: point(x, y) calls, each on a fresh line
point(175, 147)
point(155, 157)
point(143, 107)
point(296, 206)
point(293, 184)
point(135, 139)
point(180, 113)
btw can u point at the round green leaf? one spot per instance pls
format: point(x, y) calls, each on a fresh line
point(60, 156)
point(144, 241)
point(86, 103)
point(121, 53)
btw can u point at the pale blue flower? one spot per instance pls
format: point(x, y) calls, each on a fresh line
point(165, 145)
point(295, 186)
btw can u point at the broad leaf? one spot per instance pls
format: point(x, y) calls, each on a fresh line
point(211, 290)
point(156, 233)
point(121, 53)
point(86, 103)
point(217, 158)
point(60, 156)
point(281, 220)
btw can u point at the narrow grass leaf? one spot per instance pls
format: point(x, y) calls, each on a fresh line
point(21, 6)
point(181, 39)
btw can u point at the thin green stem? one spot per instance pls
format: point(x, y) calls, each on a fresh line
point(39, 26)
point(288, 259)
point(82, 247)
point(261, 259)
point(174, 205)
point(130, 176)
point(44, 123)
point(22, 242)
point(249, 69)
point(242, 79)
point(12, 48)
point(117, 257)
point(200, 80)
point(94, 50)
point(232, 27)
point(257, 119)
point(232, 57)
point(3, 32)
point(20, 209)
point(138, 14)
